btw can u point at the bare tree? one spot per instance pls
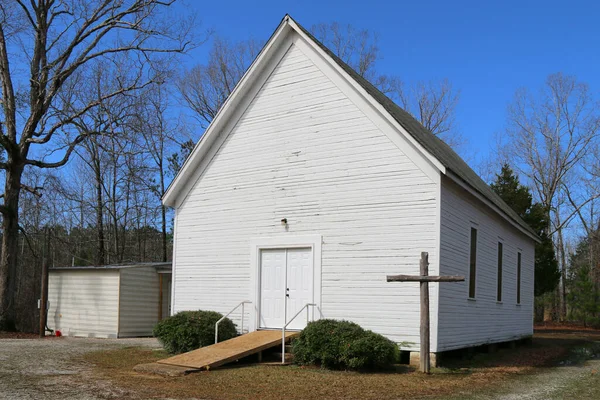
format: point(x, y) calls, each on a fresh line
point(157, 131)
point(205, 87)
point(57, 40)
point(356, 47)
point(433, 104)
point(103, 120)
point(550, 136)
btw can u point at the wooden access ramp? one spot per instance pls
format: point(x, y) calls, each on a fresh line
point(229, 350)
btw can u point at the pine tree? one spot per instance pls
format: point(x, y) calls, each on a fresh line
point(583, 296)
point(520, 199)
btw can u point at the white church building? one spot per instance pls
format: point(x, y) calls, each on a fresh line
point(310, 187)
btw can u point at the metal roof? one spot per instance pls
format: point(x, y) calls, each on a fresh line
point(430, 142)
point(157, 265)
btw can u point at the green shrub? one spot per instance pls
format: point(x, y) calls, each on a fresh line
point(190, 330)
point(372, 351)
point(343, 345)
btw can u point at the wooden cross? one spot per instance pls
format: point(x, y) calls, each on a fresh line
point(424, 279)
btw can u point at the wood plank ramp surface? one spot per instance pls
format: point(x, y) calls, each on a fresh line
point(229, 350)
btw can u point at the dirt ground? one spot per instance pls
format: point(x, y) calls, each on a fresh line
point(52, 368)
point(558, 365)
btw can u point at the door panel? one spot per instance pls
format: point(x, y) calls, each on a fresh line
point(272, 286)
point(285, 271)
point(299, 282)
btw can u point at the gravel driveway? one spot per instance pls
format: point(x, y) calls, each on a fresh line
point(49, 368)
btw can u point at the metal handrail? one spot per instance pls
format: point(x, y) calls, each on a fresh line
point(290, 321)
point(228, 314)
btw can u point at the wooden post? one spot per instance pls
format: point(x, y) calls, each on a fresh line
point(424, 358)
point(424, 279)
point(44, 293)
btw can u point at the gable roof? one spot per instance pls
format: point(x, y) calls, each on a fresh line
point(436, 147)
point(433, 144)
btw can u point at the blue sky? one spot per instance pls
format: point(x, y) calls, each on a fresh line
point(487, 49)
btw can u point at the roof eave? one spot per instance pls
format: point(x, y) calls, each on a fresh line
point(173, 194)
point(528, 232)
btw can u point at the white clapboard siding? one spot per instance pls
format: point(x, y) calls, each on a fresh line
point(465, 322)
point(84, 303)
point(304, 151)
point(139, 301)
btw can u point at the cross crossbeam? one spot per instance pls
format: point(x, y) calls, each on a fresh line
point(424, 280)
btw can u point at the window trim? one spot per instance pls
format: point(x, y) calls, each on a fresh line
point(499, 270)
point(472, 266)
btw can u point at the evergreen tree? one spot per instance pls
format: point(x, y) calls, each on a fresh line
point(584, 296)
point(519, 198)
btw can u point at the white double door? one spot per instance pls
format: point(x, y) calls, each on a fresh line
point(286, 285)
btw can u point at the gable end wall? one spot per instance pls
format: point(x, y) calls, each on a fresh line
point(84, 303)
point(304, 150)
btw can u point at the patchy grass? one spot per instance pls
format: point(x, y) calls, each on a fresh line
point(587, 387)
point(483, 372)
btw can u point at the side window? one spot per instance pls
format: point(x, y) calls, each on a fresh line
point(499, 275)
point(519, 278)
point(473, 264)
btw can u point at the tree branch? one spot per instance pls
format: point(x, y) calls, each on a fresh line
point(48, 136)
point(8, 96)
point(26, 236)
point(33, 190)
point(70, 148)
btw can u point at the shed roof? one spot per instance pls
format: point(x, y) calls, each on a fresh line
point(157, 265)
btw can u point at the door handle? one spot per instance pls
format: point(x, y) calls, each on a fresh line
point(287, 292)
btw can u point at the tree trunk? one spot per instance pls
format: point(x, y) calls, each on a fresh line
point(163, 211)
point(10, 248)
point(556, 304)
point(100, 256)
point(164, 233)
point(563, 271)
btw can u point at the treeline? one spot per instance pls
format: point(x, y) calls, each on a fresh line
point(98, 115)
point(552, 143)
point(93, 131)
point(583, 281)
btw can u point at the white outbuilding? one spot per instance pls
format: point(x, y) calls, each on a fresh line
point(110, 301)
point(310, 186)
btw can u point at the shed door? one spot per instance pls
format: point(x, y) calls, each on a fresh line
point(285, 272)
